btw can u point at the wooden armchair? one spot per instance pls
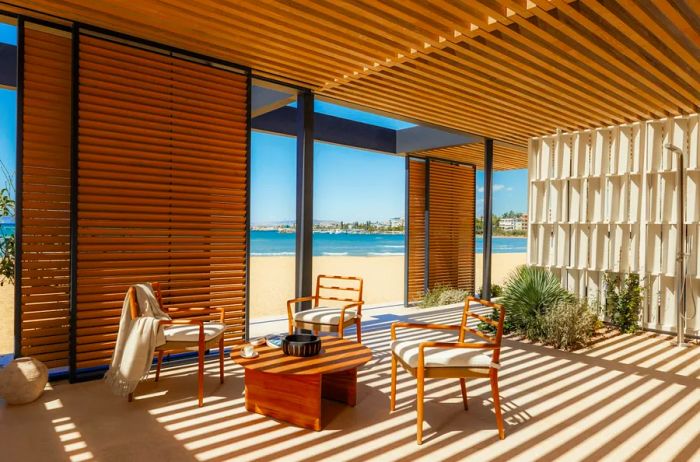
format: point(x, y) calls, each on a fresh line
point(326, 318)
point(460, 359)
point(187, 334)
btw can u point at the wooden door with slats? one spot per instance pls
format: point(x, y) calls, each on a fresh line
point(161, 188)
point(451, 229)
point(415, 236)
point(45, 187)
point(441, 200)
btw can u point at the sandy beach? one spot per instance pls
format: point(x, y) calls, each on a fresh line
point(7, 318)
point(272, 278)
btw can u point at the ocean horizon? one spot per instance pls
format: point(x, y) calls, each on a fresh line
point(269, 243)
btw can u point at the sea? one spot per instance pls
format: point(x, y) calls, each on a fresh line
point(271, 243)
point(274, 243)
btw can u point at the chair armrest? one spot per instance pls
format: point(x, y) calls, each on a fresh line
point(414, 325)
point(294, 301)
point(310, 298)
point(221, 311)
point(352, 305)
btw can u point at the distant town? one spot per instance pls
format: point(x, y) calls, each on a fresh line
point(509, 224)
point(389, 226)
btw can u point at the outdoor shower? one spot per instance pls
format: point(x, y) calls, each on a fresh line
point(683, 252)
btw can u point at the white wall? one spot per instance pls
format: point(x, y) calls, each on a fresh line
point(605, 200)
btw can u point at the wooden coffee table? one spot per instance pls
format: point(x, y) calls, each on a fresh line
point(291, 389)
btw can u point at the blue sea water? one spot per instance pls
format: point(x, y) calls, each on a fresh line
point(268, 243)
point(7, 228)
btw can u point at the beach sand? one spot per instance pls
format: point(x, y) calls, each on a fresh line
point(272, 278)
point(272, 283)
point(7, 318)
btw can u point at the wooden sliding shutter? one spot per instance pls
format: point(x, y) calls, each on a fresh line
point(161, 190)
point(451, 236)
point(416, 229)
point(448, 192)
point(45, 186)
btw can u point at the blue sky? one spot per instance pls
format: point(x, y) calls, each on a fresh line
point(8, 112)
point(509, 191)
point(351, 184)
point(8, 33)
point(323, 107)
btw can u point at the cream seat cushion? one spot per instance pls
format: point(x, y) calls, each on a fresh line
point(190, 332)
point(407, 350)
point(324, 315)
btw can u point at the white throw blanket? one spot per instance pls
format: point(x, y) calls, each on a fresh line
point(136, 341)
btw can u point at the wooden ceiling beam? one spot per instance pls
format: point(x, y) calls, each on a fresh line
point(648, 42)
point(600, 41)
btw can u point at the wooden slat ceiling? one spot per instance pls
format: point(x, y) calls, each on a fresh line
point(505, 69)
point(504, 157)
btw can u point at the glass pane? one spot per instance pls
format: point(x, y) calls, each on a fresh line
point(8, 143)
point(272, 236)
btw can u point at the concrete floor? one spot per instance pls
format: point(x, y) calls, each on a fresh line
point(625, 398)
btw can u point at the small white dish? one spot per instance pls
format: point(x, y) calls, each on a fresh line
point(259, 341)
point(254, 355)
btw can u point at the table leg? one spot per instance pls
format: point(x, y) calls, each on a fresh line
point(340, 386)
point(292, 398)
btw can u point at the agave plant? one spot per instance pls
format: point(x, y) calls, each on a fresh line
point(529, 293)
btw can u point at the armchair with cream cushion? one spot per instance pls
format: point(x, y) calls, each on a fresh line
point(457, 359)
point(188, 334)
point(345, 291)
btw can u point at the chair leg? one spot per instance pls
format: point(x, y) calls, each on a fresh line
point(463, 384)
point(200, 376)
point(493, 376)
point(131, 397)
point(340, 332)
point(419, 405)
point(358, 330)
point(158, 364)
point(392, 401)
point(221, 359)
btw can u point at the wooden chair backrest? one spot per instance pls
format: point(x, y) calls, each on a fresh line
point(134, 310)
point(492, 339)
point(328, 288)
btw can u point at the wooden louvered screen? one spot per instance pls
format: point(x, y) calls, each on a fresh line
point(451, 199)
point(45, 186)
point(451, 236)
point(161, 189)
point(416, 229)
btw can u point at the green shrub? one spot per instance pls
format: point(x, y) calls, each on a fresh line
point(569, 325)
point(443, 295)
point(7, 242)
point(496, 290)
point(494, 316)
point(529, 293)
point(7, 259)
point(623, 301)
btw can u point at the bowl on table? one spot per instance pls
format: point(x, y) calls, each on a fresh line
point(301, 345)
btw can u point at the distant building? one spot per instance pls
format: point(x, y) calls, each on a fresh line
point(396, 222)
point(513, 223)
